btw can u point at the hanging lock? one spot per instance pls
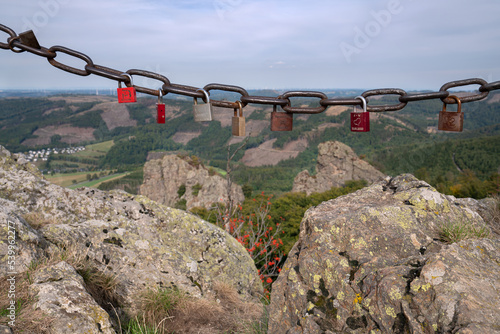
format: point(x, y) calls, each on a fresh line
point(202, 112)
point(281, 121)
point(127, 94)
point(449, 120)
point(360, 121)
point(238, 121)
point(160, 109)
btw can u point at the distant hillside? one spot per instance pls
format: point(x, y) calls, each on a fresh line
point(270, 160)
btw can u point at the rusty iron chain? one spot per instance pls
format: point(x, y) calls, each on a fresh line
point(27, 42)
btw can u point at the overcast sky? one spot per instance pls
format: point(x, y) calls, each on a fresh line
point(314, 44)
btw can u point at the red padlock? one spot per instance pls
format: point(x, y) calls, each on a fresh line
point(160, 109)
point(360, 121)
point(127, 94)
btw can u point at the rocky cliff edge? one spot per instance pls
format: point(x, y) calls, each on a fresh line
point(139, 243)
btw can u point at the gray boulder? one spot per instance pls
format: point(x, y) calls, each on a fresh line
point(372, 262)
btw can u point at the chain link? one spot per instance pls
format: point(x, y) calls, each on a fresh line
point(17, 43)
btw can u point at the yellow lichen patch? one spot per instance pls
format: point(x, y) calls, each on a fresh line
point(415, 288)
point(292, 275)
point(360, 243)
point(390, 311)
point(395, 294)
point(363, 218)
point(344, 262)
point(340, 295)
point(373, 212)
point(310, 306)
point(335, 230)
point(317, 229)
point(358, 299)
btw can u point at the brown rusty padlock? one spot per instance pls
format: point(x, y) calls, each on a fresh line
point(238, 121)
point(449, 120)
point(281, 121)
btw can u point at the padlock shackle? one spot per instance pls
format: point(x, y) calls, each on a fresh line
point(459, 103)
point(362, 100)
point(240, 107)
point(160, 95)
point(130, 78)
point(204, 92)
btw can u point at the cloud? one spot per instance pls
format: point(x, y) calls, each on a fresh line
point(261, 43)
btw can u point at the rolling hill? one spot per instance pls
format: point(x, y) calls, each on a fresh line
point(404, 141)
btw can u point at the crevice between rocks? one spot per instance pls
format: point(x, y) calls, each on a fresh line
point(354, 264)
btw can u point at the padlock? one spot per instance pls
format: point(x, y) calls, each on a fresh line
point(360, 121)
point(127, 94)
point(202, 112)
point(281, 121)
point(449, 120)
point(160, 109)
point(238, 121)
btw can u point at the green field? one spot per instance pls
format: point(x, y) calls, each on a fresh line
point(95, 150)
point(65, 180)
point(96, 183)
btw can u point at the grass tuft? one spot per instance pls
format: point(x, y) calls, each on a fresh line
point(169, 310)
point(455, 231)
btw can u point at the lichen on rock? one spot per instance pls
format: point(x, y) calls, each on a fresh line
point(372, 261)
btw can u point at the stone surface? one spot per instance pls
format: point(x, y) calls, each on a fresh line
point(143, 244)
point(147, 244)
point(164, 177)
point(20, 244)
point(337, 163)
point(372, 262)
point(60, 293)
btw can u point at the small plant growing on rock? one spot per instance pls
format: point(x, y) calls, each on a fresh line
point(169, 310)
point(181, 191)
point(455, 231)
point(181, 204)
point(195, 190)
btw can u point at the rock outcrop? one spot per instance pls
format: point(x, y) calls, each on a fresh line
point(173, 179)
point(138, 243)
point(337, 163)
point(373, 262)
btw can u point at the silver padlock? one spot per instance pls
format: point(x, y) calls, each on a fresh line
point(202, 112)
